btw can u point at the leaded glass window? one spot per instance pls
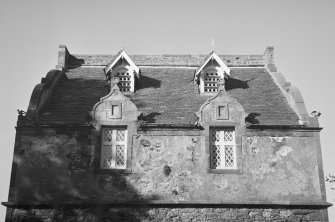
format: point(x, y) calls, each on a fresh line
point(114, 148)
point(222, 148)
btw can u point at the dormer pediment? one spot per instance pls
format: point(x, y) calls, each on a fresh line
point(212, 61)
point(122, 58)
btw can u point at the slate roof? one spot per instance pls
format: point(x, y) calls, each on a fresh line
point(168, 96)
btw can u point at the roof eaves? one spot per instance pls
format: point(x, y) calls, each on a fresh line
point(284, 127)
point(169, 126)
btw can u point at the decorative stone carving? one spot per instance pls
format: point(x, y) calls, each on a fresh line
point(221, 108)
point(114, 108)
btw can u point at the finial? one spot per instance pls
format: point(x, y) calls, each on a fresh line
point(213, 43)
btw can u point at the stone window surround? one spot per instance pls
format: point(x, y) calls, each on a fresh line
point(238, 146)
point(112, 139)
point(225, 160)
point(97, 143)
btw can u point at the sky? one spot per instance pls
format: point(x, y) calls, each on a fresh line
point(300, 31)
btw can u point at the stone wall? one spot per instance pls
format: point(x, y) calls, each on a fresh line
point(168, 214)
point(63, 166)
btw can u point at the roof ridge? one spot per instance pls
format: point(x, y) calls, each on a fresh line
point(168, 54)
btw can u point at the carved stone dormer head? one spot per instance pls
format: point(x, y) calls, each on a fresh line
point(221, 109)
point(123, 68)
point(114, 109)
point(208, 75)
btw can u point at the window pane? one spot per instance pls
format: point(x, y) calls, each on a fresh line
point(228, 135)
point(229, 156)
point(106, 157)
point(216, 157)
point(114, 148)
point(120, 156)
point(215, 135)
point(120, 135)
point(107, 135)
point(222, 148)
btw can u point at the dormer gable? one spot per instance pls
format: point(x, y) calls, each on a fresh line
point(123, 68)
point(210, 72)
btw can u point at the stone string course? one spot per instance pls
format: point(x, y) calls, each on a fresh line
point(166, 214)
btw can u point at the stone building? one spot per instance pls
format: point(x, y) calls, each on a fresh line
point(166, 138)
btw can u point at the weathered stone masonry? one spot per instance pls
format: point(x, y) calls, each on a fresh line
point(170, 214)
point(57, 175)
point(271, 174)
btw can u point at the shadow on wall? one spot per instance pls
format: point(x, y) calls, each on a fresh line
point(61, 176)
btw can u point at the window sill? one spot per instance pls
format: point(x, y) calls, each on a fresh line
point(225, 171)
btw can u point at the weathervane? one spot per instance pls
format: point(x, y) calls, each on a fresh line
point(212, 49)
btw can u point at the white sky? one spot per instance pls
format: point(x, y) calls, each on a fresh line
point(301, 31)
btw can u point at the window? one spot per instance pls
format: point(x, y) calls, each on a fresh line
point(113, 148)
point(222, 148)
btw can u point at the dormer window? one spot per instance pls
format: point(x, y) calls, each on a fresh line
point(210, 73)
point(126, 79)
point(123, 68)
point(210, 79)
